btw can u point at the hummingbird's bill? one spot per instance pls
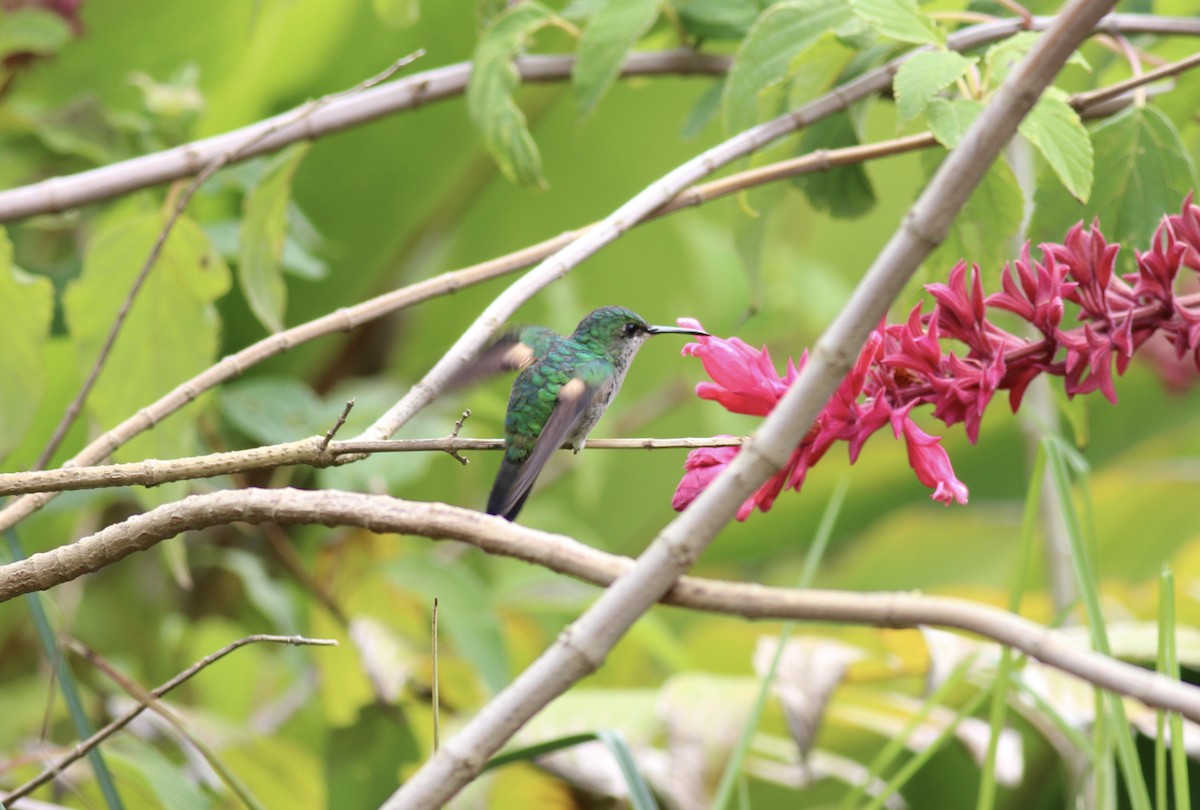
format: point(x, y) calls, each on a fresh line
point(674, 330)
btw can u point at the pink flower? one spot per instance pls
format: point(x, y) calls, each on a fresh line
point(702, 466)
point(904, 365)
point(744, 379)
point(929, 460)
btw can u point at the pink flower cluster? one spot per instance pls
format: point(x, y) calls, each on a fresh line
point(904, 365)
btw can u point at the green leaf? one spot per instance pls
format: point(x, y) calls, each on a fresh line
point(703, 111)
point(898, 19)
point(32, 30)
point(1147, 172)
point(949, 119)
point(170, 334)
point(983, 229)
point(362, 759)
point(465, 614)
point(260, 244)
point(1058, 133)
point(274, 410)
point(1004, 56)
point(922, 77)
point(781, 34)
point(844, 191)
point(718, 19)
point(819, 67)
point(609, 35)
point(24, 329)
point(490, 93)
point(164, 779)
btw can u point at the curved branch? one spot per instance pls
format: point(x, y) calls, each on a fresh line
point(493, 535)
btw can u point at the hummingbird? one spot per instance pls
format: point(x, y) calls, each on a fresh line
point(565, 385)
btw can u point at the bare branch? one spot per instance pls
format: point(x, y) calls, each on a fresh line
point(62, 193)
point(494, 535)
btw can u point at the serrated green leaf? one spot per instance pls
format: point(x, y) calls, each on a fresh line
point(262, 237)
point(983, 230)
point(24, 329)
point(170, 334)
point(762, 61)
point(844, 191)
point(1147, 172)
point(465, 615)
point(922, 77)
point(32, 30)
point(949, 119)
point(898, 19)
point(607, 39)
point(1056, 130)
point(1002, 57)
point(490, 93)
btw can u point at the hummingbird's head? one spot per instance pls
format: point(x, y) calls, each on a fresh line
point(619, 332)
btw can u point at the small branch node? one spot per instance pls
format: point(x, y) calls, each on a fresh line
point(453, 453)
point(341, 420)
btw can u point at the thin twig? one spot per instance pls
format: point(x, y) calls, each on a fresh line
point(434, 699)
point(341, 420)
point(453, 451)
point(307, 452)
point(80, 750)
point(139, 693)
point(1113, 90)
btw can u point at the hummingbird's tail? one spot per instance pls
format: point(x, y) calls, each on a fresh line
point(505, 500)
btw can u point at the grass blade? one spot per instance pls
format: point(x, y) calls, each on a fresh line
point(895, 746)
point(986, 799)
point(640, 795)
point(816, 551)
point(917, 762)
point(1085, 575)
point(1169, 665)
point(66, 681)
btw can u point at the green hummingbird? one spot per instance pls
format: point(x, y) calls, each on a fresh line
point(564, 387)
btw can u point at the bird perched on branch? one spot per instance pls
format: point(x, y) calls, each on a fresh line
point(564, 387)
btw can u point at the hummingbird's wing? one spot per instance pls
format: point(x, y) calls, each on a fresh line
point(574, 399)
point(514, 350)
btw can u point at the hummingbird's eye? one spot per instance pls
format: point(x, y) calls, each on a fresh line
point(631, 329)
